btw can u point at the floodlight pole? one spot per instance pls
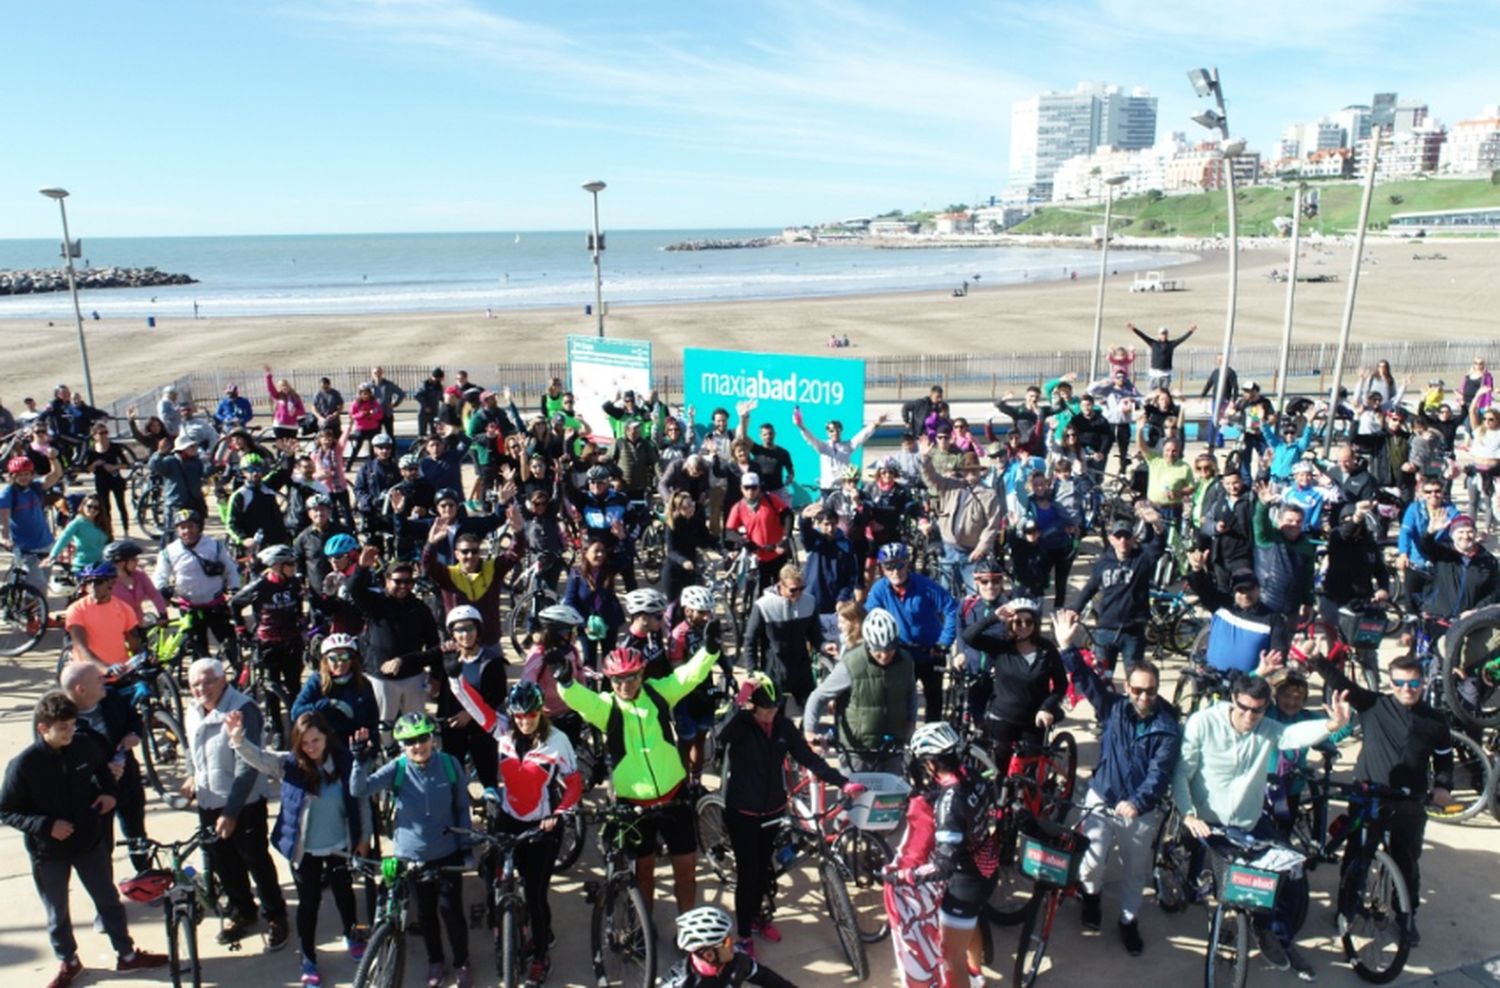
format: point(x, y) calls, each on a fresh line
point(1348, 320)
point(1291, 294)
point(67, 251)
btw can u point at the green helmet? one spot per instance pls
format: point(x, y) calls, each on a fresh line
point(596, 628)
point(253, 461)
point(412, 726)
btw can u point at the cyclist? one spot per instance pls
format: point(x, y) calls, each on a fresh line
point(476, 581)
point(1121, 579)
point(318, 822)
point(86, 533)
point(340, 692)
point(1023, 694)
point(378, 475)
point(432, 799)
point(203, 574)
point(1243, 634)
point(1285, 557)
point(706, 936)
point(605, 515)
point(759, 519)
point(686, 539)
point(1138, 750)
point(829, 561)
point(646, 770)
point(400, 637)
point(970, 517)
point(23, 517)
point(643, 629)
point(103, 629)
point(558, 626)
point(758, 742)
point(873, 689)
point(330, 599)
point(540, 772)
point(590, 591)
point(1465, 577)
point(471, 667)
point(1356, 563)
point(254, 510)
point(276, 596)
point(113, 722)
point(783, 634)
point(1221, 779)
point(950, 838)
point(694, 715)
point(926, 613)
point(181, 471)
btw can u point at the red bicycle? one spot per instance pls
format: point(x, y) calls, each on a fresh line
point(1038, 785)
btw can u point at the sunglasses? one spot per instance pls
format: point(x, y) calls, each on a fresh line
point(465, 629)
point(1252, 711)
point(417, 742)
point(627, 678)
point(893, 566)
point(1023, 620)
point(796, 589)
point(340, 660)
point(1141, 690)
point(1406, 684)
point(468, 552)
point(987, 580)
point(403, 583)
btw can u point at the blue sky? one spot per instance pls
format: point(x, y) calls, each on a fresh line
point(404, 115)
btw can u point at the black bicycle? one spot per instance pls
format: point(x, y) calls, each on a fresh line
point(1374, 904)
point(506, 911)
point(385, 952)
point(186, 894)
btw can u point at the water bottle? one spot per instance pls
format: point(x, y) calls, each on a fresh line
point(785, 853)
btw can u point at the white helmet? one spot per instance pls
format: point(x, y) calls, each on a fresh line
point(932, 740)
point(464, 612)
point(560, 614)
point(274, 554)
point(1023, 604)
point(646, 600)
point(880, 629)
point(697, 598)
point(706, 926)
point(339, 642)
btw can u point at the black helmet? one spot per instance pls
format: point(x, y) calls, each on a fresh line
point(121, 550)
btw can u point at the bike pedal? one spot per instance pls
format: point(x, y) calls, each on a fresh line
point(234, 946)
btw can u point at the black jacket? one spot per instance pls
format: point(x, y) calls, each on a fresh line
point(754, 778)
point(1356, 564)
point(45, 784)
point(1458, 584)
point(394, 629)
point(1399, 741)
point(1016, 690)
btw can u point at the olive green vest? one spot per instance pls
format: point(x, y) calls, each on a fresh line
point(878, 699)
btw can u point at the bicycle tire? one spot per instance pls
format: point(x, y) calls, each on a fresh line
point(164, 755)
point(1473, 779)
point(384, 960)
point(190, 941)
point(623, 938)
point(1384, 901)
point(1227, 960)
point(1036, 929)
point(170, 695)
point(23, 618)
point(574, 833)
point(713, 837)
point(1062, 770)
point(865, 854)
point(1473, 699)
point(174, 955)
point(1171, 867)
point(1185, 632)
point(518, 621)
point(1187, 694)
point(510, 950)
point(836, 895)
point(1012, 892)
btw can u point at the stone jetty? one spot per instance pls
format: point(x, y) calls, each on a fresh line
point(723, 244)
point(39, 280)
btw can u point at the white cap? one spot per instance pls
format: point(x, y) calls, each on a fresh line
point(749, 480)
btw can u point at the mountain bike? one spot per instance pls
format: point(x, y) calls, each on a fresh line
point(1471, 669)
point(187, 895)
point(23, 612)
point(1038, 785)
point(261, 685)
point(1200, 685)
point(1374, 904)
point(164, 745)
point(385, 951)
point(531, 597)
point(1173, 624)
point(622, 937)
point(506, 911)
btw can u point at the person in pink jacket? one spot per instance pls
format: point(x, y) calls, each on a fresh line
point(328, 469)
point(286, 406)
point(365, 417)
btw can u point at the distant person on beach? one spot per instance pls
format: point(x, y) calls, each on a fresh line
point(1161, 352)
point(390, 395)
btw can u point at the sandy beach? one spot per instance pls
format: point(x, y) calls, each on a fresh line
point(1400, 298)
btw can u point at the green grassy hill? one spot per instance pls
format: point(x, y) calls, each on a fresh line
point(1206, 213)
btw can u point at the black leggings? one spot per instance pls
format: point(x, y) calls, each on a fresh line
point(930, 675)
point(535, 863)
point(753, 838)
point(312, 875)
point(282, 660)
point(107, 485)
point(443, 897)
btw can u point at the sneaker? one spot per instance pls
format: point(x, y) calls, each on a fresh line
point(1300, 964)
point(355, 944)
point(310, 976)
point(746, 946)
point(766, 930)
point(462, 978)
point(139, 960)
point(1272, 951)
point(276, 935)
point(235, 930)
point(1130, 935)
point(66, 972)
point(537, 972)
point(1093, 912)
point(1413, 935)
point(435, 975)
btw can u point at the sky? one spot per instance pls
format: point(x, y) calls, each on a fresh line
point(333, 116)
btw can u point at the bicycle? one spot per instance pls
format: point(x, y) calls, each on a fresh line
point(1038, 785)
point(1200, 684)
point(1051, 855)
point(187, 896)
point(1173, 624)
point(23, 613)
point(385, 951)
point(530, 598)
point(1373, 899)
point(256, 682)
point(1243, 882)
point(506, 911)
point(622, 936)
point(1471, 669)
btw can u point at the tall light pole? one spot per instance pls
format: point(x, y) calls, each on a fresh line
point(1359, 253)
point(1291, 294)
point(1110, 184)
point(1206, 83)
point(596, 244)
point(67, 253)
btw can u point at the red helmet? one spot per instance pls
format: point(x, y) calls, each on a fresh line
point(20, 464)
point(623, 662)
point(147, 887)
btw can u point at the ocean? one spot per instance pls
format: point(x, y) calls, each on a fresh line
point(415, 272)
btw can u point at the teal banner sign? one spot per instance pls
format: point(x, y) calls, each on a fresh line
point(599, 369)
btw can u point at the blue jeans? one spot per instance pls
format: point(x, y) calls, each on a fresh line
point(957, 568)
point(1113, 643)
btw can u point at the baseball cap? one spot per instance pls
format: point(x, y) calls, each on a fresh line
point(1121, 526)
point(1244, 578)
point(750, 480)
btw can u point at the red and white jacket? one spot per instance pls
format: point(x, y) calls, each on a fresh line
point(537, 783)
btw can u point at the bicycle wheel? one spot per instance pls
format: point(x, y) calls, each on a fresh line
point(510, 946)
point(1373, 927)
point(276, 708)
point(1184, 633)
point(518, 623)
point(713, 837)
point(1170, 872)
point(189, 928)
point(1187, 695)
point(170, 694)
point(174, 949)
point(1036, 928)
point(623, 939)
point(164, 754)
point(1473, 776)
point(865, 853)
point(1062, 771)
point(572, 831)
point(384, 960)
point(1013, 889)
point(650, 552)
point(1471, 669)
point(836, 894)
point(23, 618)
point(1228, 962)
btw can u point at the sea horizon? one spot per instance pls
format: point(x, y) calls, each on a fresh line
point(367, 274)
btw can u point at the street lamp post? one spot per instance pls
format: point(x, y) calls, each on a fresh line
point(1348, 321)
point(67, 252)
point(1291, 294)
point(1206, 83)
point(1110, 184)
point(596, 244)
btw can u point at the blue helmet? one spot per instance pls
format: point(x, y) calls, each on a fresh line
point(98, 571)
point(893, 552)
point(339, 544)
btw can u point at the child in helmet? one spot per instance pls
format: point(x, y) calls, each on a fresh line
point(431, 799)
point(705, 935)
point(276, 596)
point(558, 627)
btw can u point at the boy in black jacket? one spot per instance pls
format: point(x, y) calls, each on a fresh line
point(58, 792)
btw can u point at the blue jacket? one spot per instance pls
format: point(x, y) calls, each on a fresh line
point(830, 567)
point(1136, 757)
point(926, 614)
point(1414, 522)
point(291, 818)
point(362, 701)
point(234, 409)
point(1284, 455)
point(427, 804)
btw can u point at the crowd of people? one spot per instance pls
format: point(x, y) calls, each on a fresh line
point(943, 562)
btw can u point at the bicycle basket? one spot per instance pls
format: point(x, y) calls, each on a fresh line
point(1247, 887)
point(1362, 628)
point(882, 806)
point(1051, 854)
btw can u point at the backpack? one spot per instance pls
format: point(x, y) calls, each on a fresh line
point(450, 770)
point(614, 728)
